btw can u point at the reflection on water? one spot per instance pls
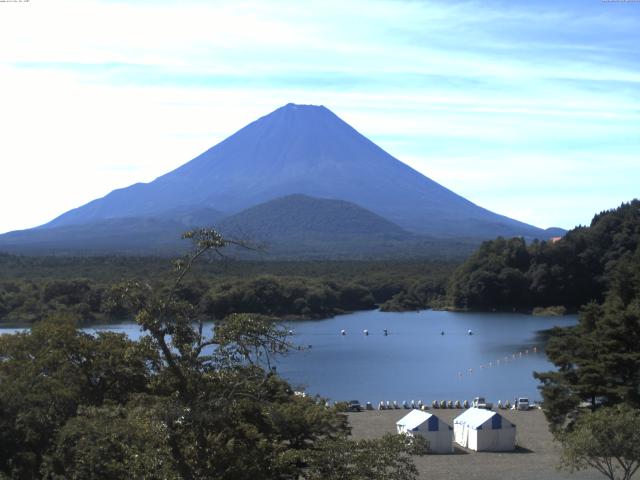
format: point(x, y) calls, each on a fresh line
point(414, 361)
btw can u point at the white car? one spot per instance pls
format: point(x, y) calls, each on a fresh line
point(523, 403)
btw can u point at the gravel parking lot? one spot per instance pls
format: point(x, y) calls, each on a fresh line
point(535, 458)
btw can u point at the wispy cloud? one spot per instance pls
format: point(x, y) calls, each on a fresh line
point(118, 92)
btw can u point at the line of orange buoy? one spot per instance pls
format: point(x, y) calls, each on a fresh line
point(501, 361)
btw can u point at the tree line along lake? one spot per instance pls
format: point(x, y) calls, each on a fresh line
point(426, 355)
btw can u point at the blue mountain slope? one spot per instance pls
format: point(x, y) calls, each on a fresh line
point(301, 216)
point(307, 150)
point(136, 235)
point(292, 227)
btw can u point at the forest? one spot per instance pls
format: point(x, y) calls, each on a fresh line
point(592, 397)
point(33, 287)
point(508, 274)
point(184, 404)
point(178, 404)
point(503, 274)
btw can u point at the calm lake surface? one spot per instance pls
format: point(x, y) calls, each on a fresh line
point(414, 361)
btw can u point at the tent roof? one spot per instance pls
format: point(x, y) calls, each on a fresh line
point(414, 419)
point(474, 417)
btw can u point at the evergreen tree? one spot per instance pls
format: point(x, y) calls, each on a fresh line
point(183, 403)
point(607, 440)
point(578, 269)
point(598, 360)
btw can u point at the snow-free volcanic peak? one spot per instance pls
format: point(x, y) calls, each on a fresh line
point(302, 149)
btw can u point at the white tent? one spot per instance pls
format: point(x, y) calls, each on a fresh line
point(484, 430)
point(436, 432)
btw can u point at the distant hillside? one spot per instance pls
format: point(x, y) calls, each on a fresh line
point(554, 232)
point(302, 216)
point(299, 226)
point(117, 235)
point(293, 227)
point(579, 268)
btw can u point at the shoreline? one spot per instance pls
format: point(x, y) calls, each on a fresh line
point(294, 318)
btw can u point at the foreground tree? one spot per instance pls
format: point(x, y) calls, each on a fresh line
point(598, 359)
point(607, 440)
point(221, 403)
point(111, 441)
point(186, 402)
point(48, 373)
point(228, 415)
point(592, 401)
point(388, 458)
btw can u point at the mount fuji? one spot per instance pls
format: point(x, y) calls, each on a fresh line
point(302, 155)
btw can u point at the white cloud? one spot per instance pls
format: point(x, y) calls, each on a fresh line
point(98, 95)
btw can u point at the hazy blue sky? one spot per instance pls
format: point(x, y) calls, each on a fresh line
point(530, 109)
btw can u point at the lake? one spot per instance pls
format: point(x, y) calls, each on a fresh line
point(414, 361)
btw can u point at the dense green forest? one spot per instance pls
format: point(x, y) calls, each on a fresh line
point(503, 274)
point(75, 405)
point(178, 404)
point(577, 269)
point(598, 360)
point(32, 287)
point(592, 398)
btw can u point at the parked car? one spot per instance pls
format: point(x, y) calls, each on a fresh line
point(354, 406)
point(523, 403)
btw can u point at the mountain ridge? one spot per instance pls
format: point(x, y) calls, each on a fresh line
point(287, 228)
point(299, 149)
point(301, 214)
point(310, 150)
